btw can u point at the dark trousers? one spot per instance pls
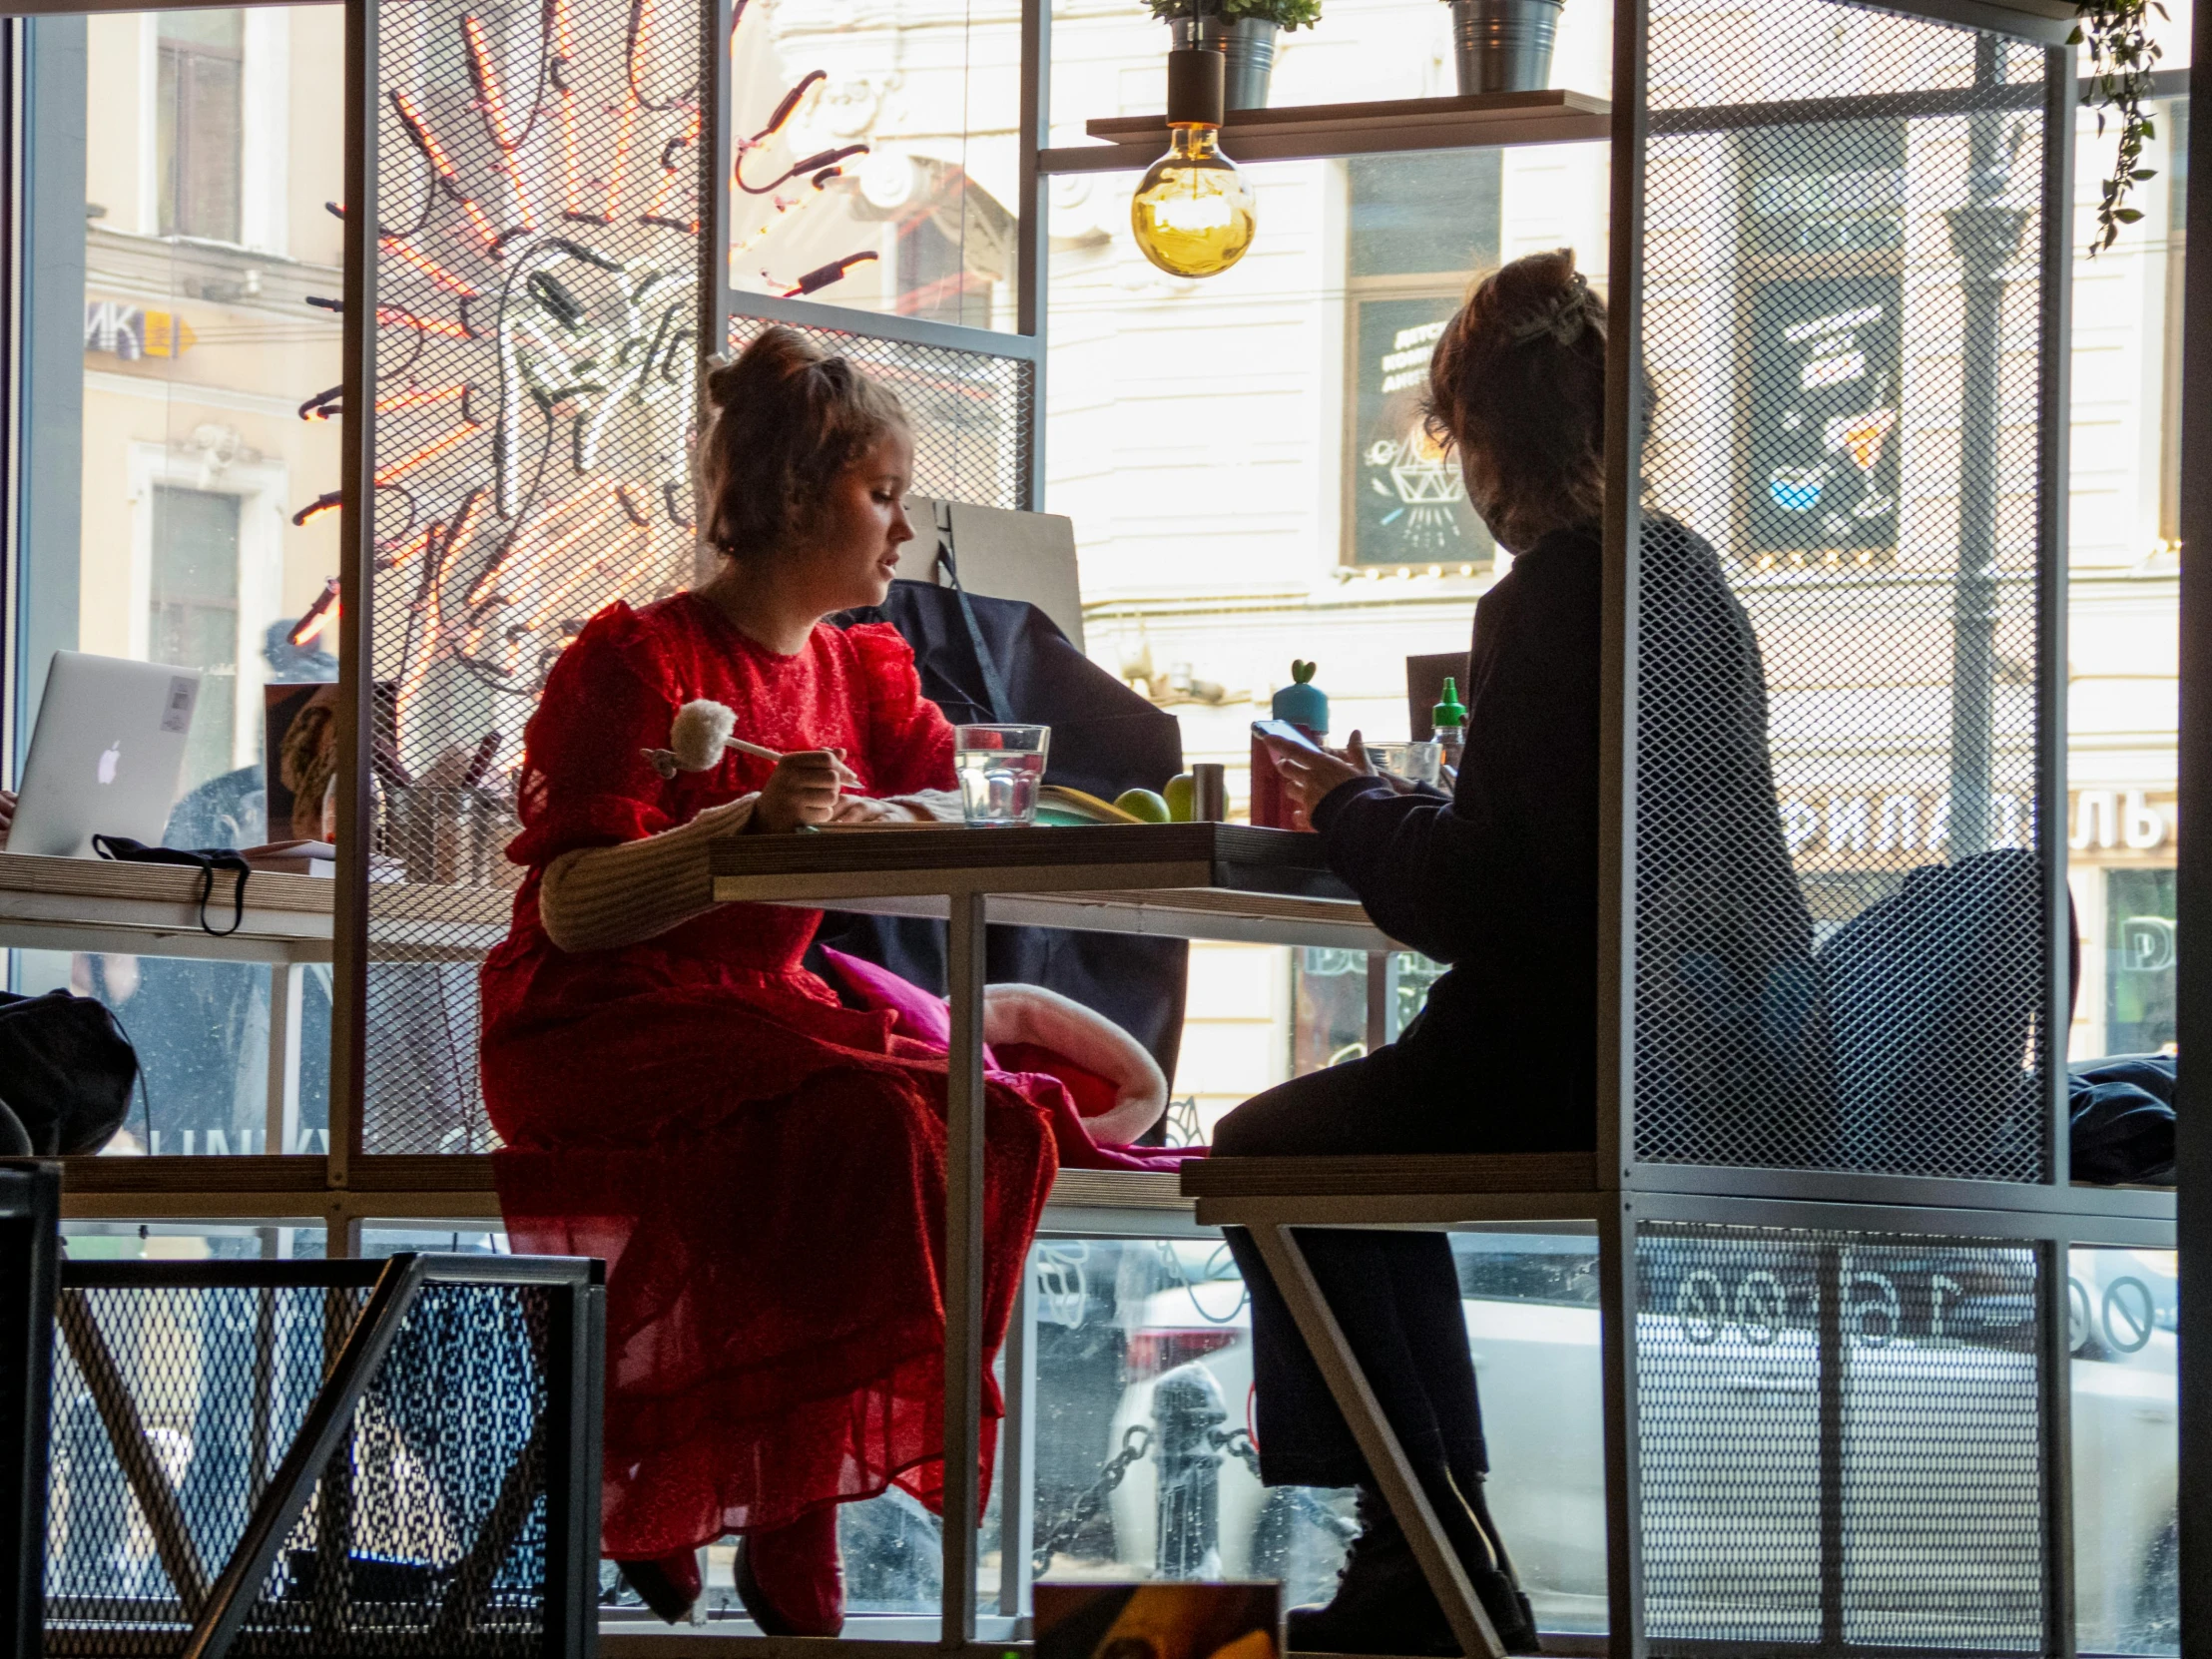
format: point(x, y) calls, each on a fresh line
point(1395, 1295)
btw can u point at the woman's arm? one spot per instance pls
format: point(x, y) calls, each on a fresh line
point(1519, 840)
point(602, 898)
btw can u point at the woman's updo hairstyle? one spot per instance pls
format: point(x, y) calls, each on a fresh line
point(1518, 378)
point(782, 422)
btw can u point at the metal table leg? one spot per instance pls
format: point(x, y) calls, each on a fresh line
point(963, 1264)
point(1377, 1442)
point(287, 982)
point(1017, 1451)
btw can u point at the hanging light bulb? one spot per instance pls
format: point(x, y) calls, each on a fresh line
point(1192, 212)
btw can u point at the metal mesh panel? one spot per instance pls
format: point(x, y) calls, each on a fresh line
point(1843, 286)
point(218, 1381)
point(428, 1538)
point(972, 411)
point(538, 288)
point(1842, 1439)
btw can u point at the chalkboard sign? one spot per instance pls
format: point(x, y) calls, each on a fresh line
point(1826, 210)
point(1823, 429)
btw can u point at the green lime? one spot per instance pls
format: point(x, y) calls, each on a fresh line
point(1143, 804)
point(1182, 796)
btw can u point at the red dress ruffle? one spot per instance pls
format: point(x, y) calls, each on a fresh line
point(762, 1168)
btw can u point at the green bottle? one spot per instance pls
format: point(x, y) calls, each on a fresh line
point(1448, 722)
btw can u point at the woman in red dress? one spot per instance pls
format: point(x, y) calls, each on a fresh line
point(761, 1166)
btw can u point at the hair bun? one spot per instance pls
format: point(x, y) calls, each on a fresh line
point(773, 355)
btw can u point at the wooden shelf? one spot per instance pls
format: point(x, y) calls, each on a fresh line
point(1319, 130)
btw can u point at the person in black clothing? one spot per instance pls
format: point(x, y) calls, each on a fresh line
point(1500, 880)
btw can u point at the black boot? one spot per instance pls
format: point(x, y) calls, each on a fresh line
point(1382, 1602)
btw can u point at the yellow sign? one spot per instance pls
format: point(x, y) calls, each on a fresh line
point(166, 334)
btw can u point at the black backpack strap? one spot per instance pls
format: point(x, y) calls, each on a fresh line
point(994, 685)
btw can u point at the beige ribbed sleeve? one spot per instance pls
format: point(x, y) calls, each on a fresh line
point(599, 897)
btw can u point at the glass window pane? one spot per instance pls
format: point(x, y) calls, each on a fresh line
point(876, 162)
point(201, 1034)
point(2127, 1584)
point(182, 161)
point(1118, 1318)
point(2123, 603)
point(1244, 458)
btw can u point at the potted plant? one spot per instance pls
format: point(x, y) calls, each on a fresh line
point(1244, 31)
point(2121, 58)
point(1503, 45)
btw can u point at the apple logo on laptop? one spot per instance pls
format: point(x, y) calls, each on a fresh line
point(109, 757)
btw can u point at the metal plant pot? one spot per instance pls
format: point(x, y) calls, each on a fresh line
point(1247, 43)
point(1505, 45)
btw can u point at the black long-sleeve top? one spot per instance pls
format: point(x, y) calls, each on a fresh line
point(1501, 881)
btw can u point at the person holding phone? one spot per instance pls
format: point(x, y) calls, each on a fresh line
point(1499, 879)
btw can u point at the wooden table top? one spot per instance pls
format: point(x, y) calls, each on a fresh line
point(1187, 880)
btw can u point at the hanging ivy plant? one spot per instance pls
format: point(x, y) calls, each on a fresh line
point(2121, 58)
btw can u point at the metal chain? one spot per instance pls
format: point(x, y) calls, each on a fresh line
point(1136, 1440)
point(1237, 1442)
point(1136, 1443)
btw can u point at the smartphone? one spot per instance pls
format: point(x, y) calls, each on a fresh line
point(1284, 732)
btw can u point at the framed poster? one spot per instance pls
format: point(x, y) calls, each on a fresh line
point(1406, 505)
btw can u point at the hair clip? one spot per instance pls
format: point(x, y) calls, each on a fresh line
point(1563, 320)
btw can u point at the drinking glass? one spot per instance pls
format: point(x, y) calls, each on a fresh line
point(1419, 762)
point(1000, 768)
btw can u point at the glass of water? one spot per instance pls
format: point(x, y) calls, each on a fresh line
point(1000, 768)
point(1418, 762)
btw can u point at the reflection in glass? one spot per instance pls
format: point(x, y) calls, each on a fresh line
point(200, 147)
point(875, 163)
point(2127, 1583)
point(201, 1032)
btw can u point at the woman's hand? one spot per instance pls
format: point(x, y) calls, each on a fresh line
point(7, 815)
point(1307, 776)
point(803, 788)
point(866, 808)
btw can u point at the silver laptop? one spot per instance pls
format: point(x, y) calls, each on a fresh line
point(106, 755)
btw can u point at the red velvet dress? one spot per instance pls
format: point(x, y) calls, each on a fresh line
point(762, 1168)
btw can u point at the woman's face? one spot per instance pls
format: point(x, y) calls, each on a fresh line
point(850, 557)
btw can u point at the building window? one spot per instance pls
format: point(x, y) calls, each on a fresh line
point(192, 611)
point(1419, 225)
point(198, 153)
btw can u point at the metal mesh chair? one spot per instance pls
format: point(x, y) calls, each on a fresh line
point(327, 1459)
point(30, 1257)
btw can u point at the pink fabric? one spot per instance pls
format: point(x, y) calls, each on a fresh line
point(925, 1019)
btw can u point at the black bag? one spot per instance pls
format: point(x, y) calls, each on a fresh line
point(66, 1071)
point(1932, 995)
point(2123, 1111)
point(989, 660)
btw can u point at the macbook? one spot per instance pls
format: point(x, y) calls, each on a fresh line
point(106, 755)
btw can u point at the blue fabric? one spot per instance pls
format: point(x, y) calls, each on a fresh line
point(2123, 1119)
